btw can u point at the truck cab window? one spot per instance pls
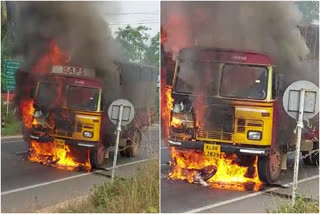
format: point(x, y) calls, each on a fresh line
point(82, 98)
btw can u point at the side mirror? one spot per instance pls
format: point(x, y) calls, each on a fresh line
point(32, 93)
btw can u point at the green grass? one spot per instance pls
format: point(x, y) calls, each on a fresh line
point(138, 194)
point(12, 129)
point(13, 126)
point(302, 205)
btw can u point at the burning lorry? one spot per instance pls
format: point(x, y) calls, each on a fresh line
point(69, 125)
point(224, 102)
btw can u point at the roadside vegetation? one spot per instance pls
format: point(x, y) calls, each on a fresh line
point(302, 205)
point(12, 125)
point(138, 194)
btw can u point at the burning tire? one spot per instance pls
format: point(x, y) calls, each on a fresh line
point(312, 157)
point(269, 167)
point(133, 145)
point(97, 156)
point(207, 172)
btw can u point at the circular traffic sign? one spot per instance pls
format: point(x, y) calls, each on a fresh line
point(291, 99)
point(127, 112)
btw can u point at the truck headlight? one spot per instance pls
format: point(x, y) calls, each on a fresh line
point(87, 134)
point(254, 135)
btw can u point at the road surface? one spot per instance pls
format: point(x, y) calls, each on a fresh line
point(180, 196)
point(27, 186)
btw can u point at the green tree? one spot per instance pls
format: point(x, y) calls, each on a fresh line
point(152, 54)
point(310, 11)
point(5, 39)
point(133, 41)
point(4, 19)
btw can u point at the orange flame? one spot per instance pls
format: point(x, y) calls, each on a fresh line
point(175, 122)
point(169, 99)
point(55, 56)
point(60, 157)
point(27, 110)
point(176, 33)
point(229, 174)
point(166, 107)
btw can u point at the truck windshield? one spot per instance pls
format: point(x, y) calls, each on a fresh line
point(46, 94)
point(197, 77)
point(82, 98)
point(244, 81)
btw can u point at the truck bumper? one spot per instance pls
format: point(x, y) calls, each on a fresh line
point(47, 139)
point(198, 145)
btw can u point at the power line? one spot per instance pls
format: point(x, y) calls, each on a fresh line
point(142, 13)
point(139, 23)
point(139, 20)
point(136, 22)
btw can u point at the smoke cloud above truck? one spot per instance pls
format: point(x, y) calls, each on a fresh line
point(77, 28)
point(264, 27)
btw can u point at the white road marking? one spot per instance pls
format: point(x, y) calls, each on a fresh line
point(130, 163)
point(21, 152)
point(71, 177)
point(11, 137)
point(246, 196)
point(16, 141)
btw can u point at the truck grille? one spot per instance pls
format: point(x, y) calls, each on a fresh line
point(214, 135)
point(63, 133)
point(80, 126)
point(242, 124)
point(217, 124)
point(64, 124)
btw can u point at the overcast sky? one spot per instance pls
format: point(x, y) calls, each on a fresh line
point(135, 13)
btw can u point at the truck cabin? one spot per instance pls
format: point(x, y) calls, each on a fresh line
point(74, 92)
point(223, 96)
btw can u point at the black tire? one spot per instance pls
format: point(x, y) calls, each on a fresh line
point(97, 156)
point(269, 167)
point(312, 157)
point(207, 172)
point(133, 145)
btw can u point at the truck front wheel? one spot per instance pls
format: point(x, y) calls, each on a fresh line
point(269, 167)
point(133, 145)
point(97, 156)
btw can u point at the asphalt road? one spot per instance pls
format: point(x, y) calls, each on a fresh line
point(27, 186)
point(180, 196)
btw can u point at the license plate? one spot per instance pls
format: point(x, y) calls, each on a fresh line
point(212, 150)
point(59, 143)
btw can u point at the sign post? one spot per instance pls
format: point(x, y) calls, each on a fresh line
point(121, 113)
point(300, 101)
point(117, 143)
point(8, 94)
point(297, 157)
